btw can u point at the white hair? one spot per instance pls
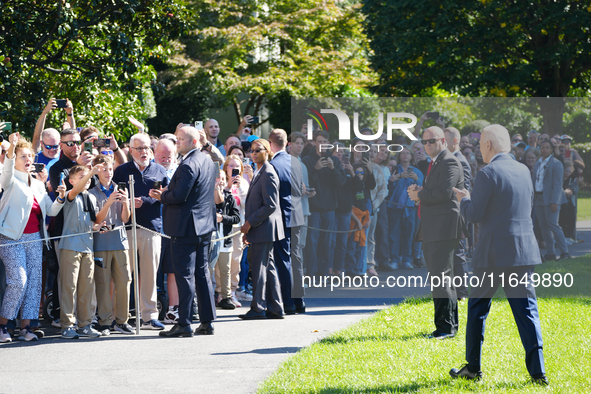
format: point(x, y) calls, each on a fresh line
point(140, 136)
point(498, 136)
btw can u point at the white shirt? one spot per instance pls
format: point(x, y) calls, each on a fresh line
point(188, 153)
point(539, 186)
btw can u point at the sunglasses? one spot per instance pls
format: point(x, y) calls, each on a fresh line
point(71, 143)
point(107, 152)
point(51, 147)
point(430, 141)
point(257, 150)
point(360, 172)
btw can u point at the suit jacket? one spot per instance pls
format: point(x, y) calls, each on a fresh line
point(297, 192)
point(502, 202)
point(189, 198)
point(467, 170)
point(440, 210)
point(282, 163)
point(553, 192)
point(262, 207)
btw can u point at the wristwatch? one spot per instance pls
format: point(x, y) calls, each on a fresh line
point(206, 146)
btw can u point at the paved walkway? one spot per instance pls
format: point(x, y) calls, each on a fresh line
point(236, 359)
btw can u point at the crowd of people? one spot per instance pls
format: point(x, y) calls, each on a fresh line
point(226, 224)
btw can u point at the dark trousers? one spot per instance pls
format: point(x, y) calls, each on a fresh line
point(297, 267)
point(190, 261)
point(281, 255)
point(320, 245)
point(382, 254)
point(524, 306)
point(461, 267)
point(439, 256)
point(266, 290)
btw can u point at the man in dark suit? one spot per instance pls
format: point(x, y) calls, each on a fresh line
point(189, 218)
point(549, 196)
point(501, 202)
point(262, 227)
point(452, 137)
point(282, 252)
point(441, 227)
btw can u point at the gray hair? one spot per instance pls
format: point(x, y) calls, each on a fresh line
point(498, 136)
point(50, 132)
point(140, 136)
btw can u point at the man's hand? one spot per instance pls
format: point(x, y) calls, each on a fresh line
point(219, 217)
point(321, 163)
point(69, 107)
point(413, 192)
point(330, 163)
point(61, 190)
point(245, 228)
point(136, 123)
point(51, 105)
point(461, 193)
point(368, 165)
point(85, 159)
point(156, 194)
point(554, 207)
point(96, 169)
point(138, 202)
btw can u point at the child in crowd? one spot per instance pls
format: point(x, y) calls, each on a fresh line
point(76, 257)
point(227, 216)
point(111, 254)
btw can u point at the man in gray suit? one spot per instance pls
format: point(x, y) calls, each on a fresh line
point(263, 226)
point(549, 196)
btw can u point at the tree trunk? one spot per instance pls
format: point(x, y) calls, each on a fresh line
point(552, 111)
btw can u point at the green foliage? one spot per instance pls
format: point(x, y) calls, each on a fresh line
point(475, 126)
point(93, 53)
point(274, 50)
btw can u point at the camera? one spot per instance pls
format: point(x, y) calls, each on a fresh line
point(254, 120)
point(61, 103)
point(88, 147)
point(102, 142)
point(434, 115)
point(38, 167)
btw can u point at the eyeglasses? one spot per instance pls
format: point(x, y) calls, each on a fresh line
point(360, 172)
point(51, 147)
point(430, 141)
point(257, 150)
point(142, 148)
point(71, 143)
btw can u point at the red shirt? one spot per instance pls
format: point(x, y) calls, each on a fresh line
point(33, 223)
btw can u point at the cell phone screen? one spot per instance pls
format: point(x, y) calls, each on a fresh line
point(156, 185)
point(235, 172)
point(121, 186)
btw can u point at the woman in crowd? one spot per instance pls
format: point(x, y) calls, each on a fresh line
point(23, 208)
point(531, 156)
point(568, 210)
point(237, 185)
point(402, 211)
point(382, 252)
point(246, 168)
point(343, 210)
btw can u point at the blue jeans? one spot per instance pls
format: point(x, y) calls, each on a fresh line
point(243, 281)
point(343, 221)
point(318, 261)
point(417, 249)
point(356, 260)
point(402, 230)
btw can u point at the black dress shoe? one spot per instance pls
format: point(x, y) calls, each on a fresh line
point(465, 373)
point(226, 303)
point(541, 380)
point(300, 306)
point(289, 310)
point(177, 331)
point(272, 315)
point(564, 256)
point(253, 315)
point(549, 257)
point(204, 329)
point(440, 335)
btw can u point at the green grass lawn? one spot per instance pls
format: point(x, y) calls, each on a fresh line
point(388, 353)
point(584, 205)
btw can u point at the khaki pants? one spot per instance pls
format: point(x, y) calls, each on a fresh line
point(149, 258)
point(76, 288)
point(115, 266)
point(237, 248)
point(222, 275)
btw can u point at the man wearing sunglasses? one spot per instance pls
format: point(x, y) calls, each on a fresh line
point(440, 227)
point(50, 146)
point(71, 154)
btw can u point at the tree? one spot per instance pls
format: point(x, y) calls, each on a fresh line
point(273, 50)
point(94, 51)
point(483, 48)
